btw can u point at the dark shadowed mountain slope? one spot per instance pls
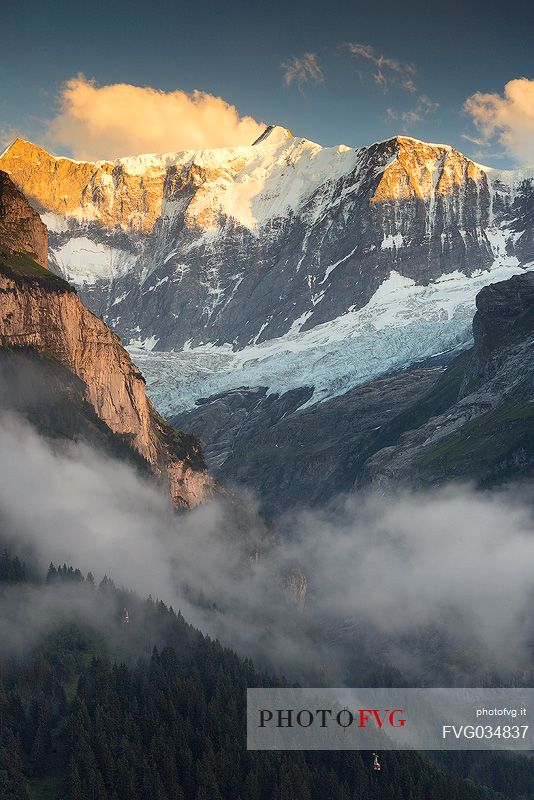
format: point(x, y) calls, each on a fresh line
point(300, 456)
point(150, 709)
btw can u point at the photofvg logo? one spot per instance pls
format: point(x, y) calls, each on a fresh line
point(389, 719)
point(324, 717)
point(296, 719)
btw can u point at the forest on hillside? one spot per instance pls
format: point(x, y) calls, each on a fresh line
point(139, 705)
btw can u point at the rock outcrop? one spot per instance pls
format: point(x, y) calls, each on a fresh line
point(227, 421)
point(40, 312)
point(21, 228)
point(296, 587)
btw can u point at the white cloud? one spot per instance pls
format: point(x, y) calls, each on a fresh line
point(478, 140)
point(302, 70)
point(388, 70)
point(507, 118)
point(103, 122)
point(419, 113)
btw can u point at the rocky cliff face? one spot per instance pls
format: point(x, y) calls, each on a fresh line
point(227, 423)
point(104, 191)
point(45, 315)
point(236, 245)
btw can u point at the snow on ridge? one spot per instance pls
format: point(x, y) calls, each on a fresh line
point(275, 186)
point(83, 261)
point(207, 157)
point(510, 177)
point(274, 135)
point(392, 242)
point(32, 145)
point(399, 138)
point(159, 163)
point(252, 184)
point(56, 223)
point(272, 182)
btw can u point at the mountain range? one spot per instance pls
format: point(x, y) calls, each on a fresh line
point(275, 291)
point(287, 262)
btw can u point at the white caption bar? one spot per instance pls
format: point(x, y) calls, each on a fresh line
point(390, 719)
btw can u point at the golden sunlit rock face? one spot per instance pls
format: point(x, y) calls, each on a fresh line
point(236, 245)
point(423, 171)
point(102, 191)
point(128, 196)
point(109, 194)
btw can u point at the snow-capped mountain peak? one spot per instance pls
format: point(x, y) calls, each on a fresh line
point(273, 134)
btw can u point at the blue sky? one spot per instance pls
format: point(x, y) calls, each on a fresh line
point(414, 66)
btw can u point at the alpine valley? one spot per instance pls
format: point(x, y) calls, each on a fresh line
point(340, 331)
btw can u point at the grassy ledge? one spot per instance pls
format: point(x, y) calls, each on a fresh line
point(22, 268)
